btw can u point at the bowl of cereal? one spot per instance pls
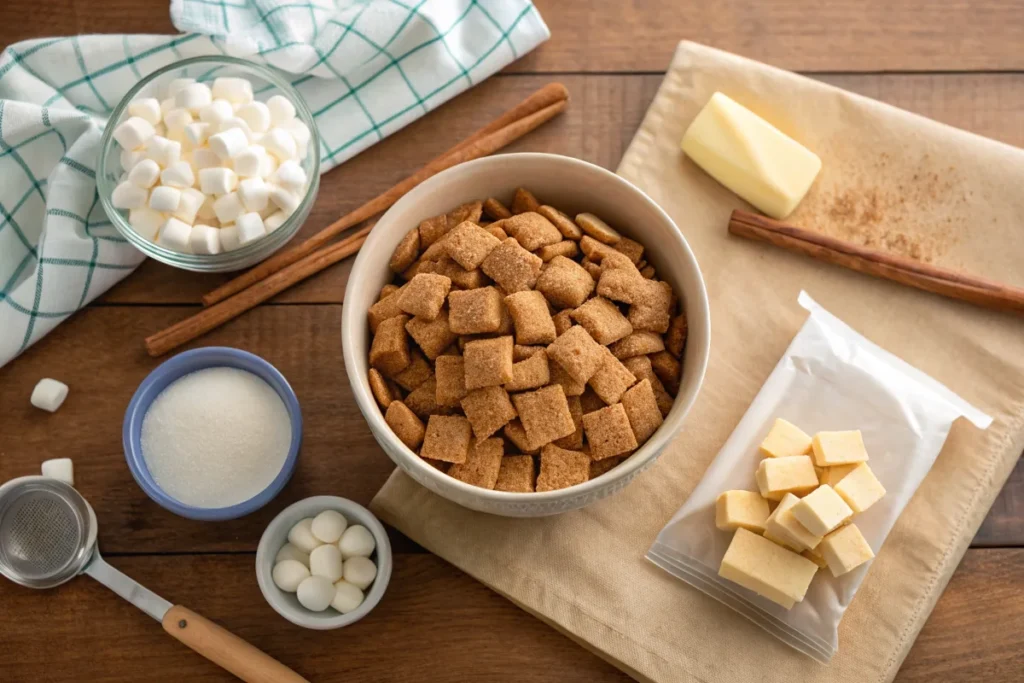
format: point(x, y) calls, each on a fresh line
point(525, 333)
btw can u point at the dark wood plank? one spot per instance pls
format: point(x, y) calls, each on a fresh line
point(1002, 527)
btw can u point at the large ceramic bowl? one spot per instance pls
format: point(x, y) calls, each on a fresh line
point(573, 186)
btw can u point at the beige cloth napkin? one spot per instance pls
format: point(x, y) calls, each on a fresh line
point(890, 178)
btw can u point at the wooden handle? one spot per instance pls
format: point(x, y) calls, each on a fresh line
point(948, 283)
point(225, 649)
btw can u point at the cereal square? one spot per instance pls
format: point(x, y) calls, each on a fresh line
point(603, 320)
point(404, 423)
point(515, 433)
point(596, 251)
point(531, 230)
point(648, 272)
point(389, 351)
point(578, 353)
point(599, 467)
point(574, 441)
point(495, 230)
point(482, 463)
point(531, 317)
point(631, 248)
point(447, 438)
point(651, 310)
point(611, 380)
point(380, 388)
point(406, 253)
point(386, 291)
point(423, 399)
point(521, 352)
point(470, 211)
point(416, 373)
point(608, 432)
point(488, 362)
point(621, 284)
point(384, 309)
point(421, 266)
point(570, 385)
point(433, 336)
point(449, 371)
point(475, 311)
point(488, 410)
point(566, 248)
point(641, 368)
point(495, 209)
point(432, 229)
point(468, 244)
point(675, 338)
point(512, 267)
point(565, 283)
point(515, 474)
point(562, 320)
point(638, 344)
point(592, 268)
point(530, 373)
point(590, 401)
point(597, 228)
point(565, 225)
point(524, 201)
point(561, 468)
point(668, 370)
point(642, 410)
point(460, 277)
point(545, 414)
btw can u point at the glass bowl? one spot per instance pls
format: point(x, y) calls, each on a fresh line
point(266, 83)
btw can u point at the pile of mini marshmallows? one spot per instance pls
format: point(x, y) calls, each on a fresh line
point(209, 170)
point(326, 563)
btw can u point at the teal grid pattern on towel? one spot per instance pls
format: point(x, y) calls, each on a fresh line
point(366, 68)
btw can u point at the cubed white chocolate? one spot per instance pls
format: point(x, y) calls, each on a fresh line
point(860, 488)
point(746, 509)
point(783, 525)
point(833, 475)
point(769, 570)
point(845, 549)
point(789, 474)
point(785, 438)
point(821, 510)
point(838, 448)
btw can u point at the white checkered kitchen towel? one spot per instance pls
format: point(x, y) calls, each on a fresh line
point(367, 68)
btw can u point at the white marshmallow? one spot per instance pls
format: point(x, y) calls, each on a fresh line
point(188, 207)
point(288, 574)
point(145, 222)
point(235, 122)
point(346, 597)
point(315, 593)
point(144, 174)
point(49, 394)
point(205, 240)
point(216, 112)
point(268, 165)
point(301, 535)
point(325, 561)
point(205, 211)
point(290, 552)
point(274, 221)
point(134, 133)
point(235, 90)
point(254, 194)
point(177, 85)
point(61, 469)
point(250, 228)
point(280, 143)
point(291, 176)
point(300, 132)
point(229, 143)
point(360, 571)
point(128, 195)
point(249, 161)
point(204, 158)
point(228, 208)
point(329, 525)
point(217, 180)
point(266, 212)
point(256, 114)
point(281, 109)
point(166, 105)
point(193, 97)
point(197, 133)
point(285, 200)
point(357, 541)
point(175, 235)
point(178, 175)
point(178, 135)
point(147, 108)
point(164, 198)
point(229, 239)
point(130, 157)
point(177, 119)
point(163, 150)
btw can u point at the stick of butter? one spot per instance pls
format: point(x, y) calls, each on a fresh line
point(750, 156)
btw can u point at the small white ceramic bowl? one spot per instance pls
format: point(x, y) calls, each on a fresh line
point(573, 186)
point(276, 535)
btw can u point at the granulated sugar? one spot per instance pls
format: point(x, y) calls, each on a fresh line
point(216, 437)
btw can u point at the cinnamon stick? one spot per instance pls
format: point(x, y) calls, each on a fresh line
point(949, 283)
point(551, 94)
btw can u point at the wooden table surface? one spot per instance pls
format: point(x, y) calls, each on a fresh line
point(959, 63)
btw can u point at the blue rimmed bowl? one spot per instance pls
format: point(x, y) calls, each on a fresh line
point(177, 367)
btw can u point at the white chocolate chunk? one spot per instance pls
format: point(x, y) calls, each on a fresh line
point(61, 469)
point(229, 143)
point(315, 593)
point(784, 439)
point(147, 108)
point(735, 509)
point(175, 235)
point(845, 549)
point(228, 208)
point(235, 90)
point(193, 97)
point(188, 205)
point(280, 143)
point(177, 85)
point(860, 488)
point(205, 239)
point(357, 541)
point(163, 151)
point(274, 221)
point(281, 109)
point(301, 535)
point(204, 158)
point(783, 526)
point(288, 574)
point(838, 448)
point(822, 510)
point(250, 228)
point(49, 394)
point(768, 569)
point(134, 133)
point(254, 194)
point(128, 195)
point(778, 476)
point(329, 525)
point(229, 239)
point(146, 222)
point(217, 180)
point(283, 199)
point(325, 561)
point(256, 115)
point(197, 133)
point(216, 112)
point(164, 198)
point(291, 176)
point(290, 552)
point(249, 161)
point(346, 597)
point(360, 571)
point(144, 174)
point(178, 175)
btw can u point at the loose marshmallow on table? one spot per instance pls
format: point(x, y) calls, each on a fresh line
point(128, 195)
point(290, 176)
point(193, 97)
point(357, 541)
point(288, 575)
point(254, 193)
point(146, 222)
point(360, 571)
point(301, 535)
point(346, 597)
point(217, 180)
point(61, 469)
point(329, 525)
point(178, 175)
point(315, 593)
point(280, 143)
point(250, 228)
point(325, 561)
point(147, 108)
point(134, 133)
point(236, 90)
point(290, 552)
point(144, 174)
point(204, 239)
point(175, 234)
point(49, 394)
point(249, 161)
point(229, 143)
point(281, 109)
point(164, 198)
point(228, 207)
point(256, 115)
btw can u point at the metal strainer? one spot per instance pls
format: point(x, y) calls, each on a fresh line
point(48, 536)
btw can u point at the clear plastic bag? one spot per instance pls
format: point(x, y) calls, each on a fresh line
point(830, 378)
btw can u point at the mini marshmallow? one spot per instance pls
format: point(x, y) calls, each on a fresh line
point(235, 122)
point(130, 157)
point(235, 90)
point(144, 174)
point(128, 195)
point(256, 114)
point(300, 132)
point(61, 469)
point(250, 228)
point(163, 150)
point(285, 200)
point(254, 194)
point(177, 119)
point(193, 97)
point(178, 175)
point(346, 597)
point(325, 561)
point(316, 592)
point(216, 112)
point(228, 208)
point(205, 211)
point(204, 239)
point(249, 161)
point(204, 158)
point(229, 239)
point(175, 235)
point(49, 394)
point(166, 105)
point(289, 574)
point(267, 165)
point(357, 541)
point(145, 222)
point(281, 109)
point(280, 143)
point(134, 133)
point(197, 133)
point(290, 552)
point(266, 212)
point(164, 198)
point(301, 536)
point(177, 85)
point(188, 206)
point(274, 221)
point(329, 525)
point(217, 180)
point(229, 143)
point(360, 571)
point(291, 176)
point(146, 108)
